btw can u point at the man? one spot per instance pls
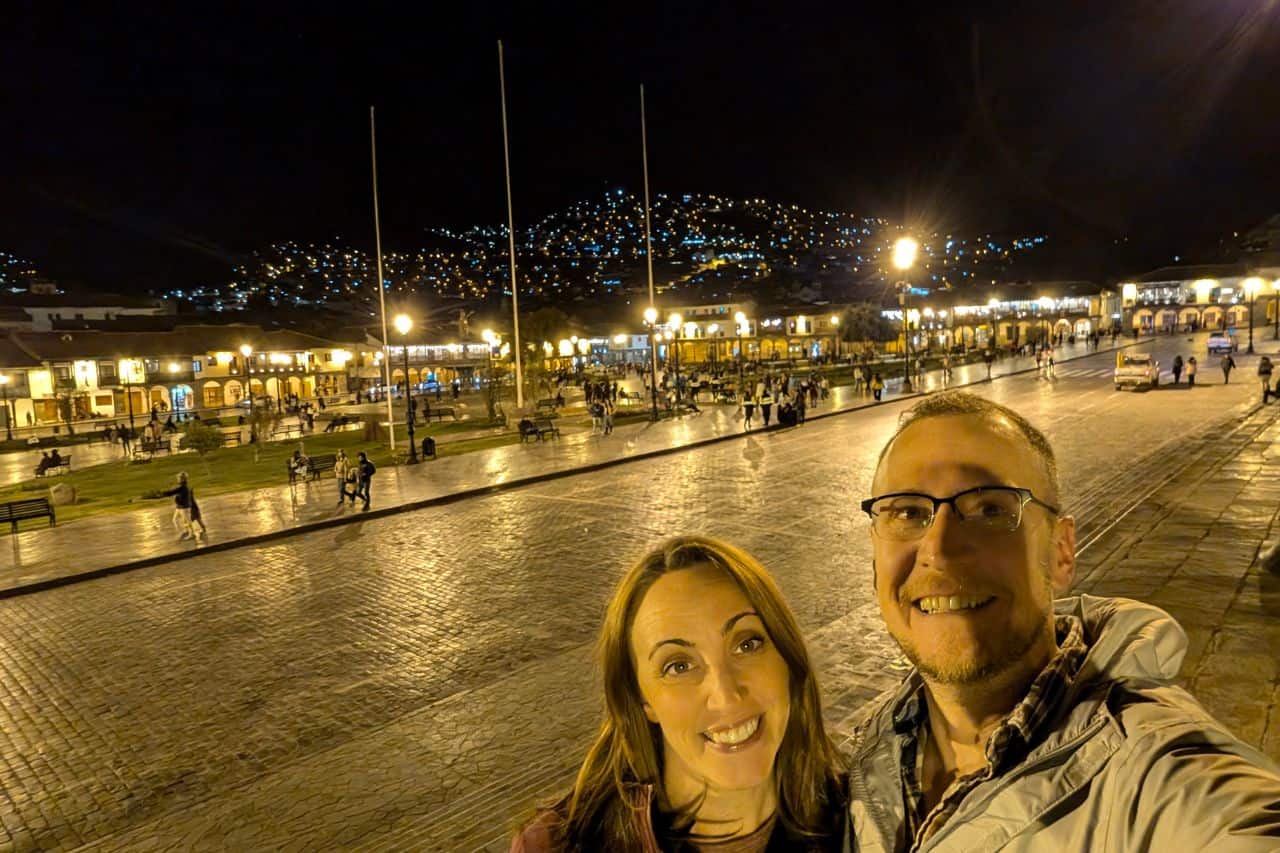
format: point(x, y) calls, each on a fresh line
point(181, 494)
point(1026, 725)
point(1227, 364)
point(341, 468)
point(364, 472)
point(1264, 376)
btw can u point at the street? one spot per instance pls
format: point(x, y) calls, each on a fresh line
point(420, 680)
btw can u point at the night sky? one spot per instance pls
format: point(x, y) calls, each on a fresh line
point(145, 150)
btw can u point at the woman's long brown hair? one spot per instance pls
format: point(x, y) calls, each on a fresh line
point(628, 748)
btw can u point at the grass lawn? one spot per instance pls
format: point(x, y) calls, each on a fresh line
point(119, 487)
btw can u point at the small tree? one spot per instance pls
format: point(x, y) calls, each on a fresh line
point(200, 437)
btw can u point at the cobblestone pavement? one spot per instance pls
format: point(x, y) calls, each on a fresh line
point(418, 681)
point(40, 553)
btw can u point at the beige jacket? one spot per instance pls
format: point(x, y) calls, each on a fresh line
point(1130, 762)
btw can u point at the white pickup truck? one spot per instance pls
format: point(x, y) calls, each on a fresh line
point(1136, 370)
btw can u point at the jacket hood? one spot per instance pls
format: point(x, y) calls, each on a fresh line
point(1128, 640)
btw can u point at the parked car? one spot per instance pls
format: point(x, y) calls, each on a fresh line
point(1136, 370)
point(1222, 342)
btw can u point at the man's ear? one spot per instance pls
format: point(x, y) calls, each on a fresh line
point(1063, 570)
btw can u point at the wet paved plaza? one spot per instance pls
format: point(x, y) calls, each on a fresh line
point(418, 681)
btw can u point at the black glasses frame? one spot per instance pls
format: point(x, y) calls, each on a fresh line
point(1024, 493)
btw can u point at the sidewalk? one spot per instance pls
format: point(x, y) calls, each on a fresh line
point(39, 557)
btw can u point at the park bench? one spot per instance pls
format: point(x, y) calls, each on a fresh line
point(439, 413)
point(165, 444)
point(545, 427)
point(63, 464)
point(546, 407)
point(339, 421)
point(630, 396)
point(317, 465)
point(15, 511)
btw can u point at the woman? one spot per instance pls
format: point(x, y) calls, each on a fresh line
point(877, 386)
point(713, 726)
point(748, 408)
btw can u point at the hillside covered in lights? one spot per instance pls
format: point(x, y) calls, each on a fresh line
point(705, 248)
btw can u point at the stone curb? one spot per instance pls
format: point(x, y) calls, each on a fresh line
point(442, 500)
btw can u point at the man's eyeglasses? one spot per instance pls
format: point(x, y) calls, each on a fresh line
point(907, 515)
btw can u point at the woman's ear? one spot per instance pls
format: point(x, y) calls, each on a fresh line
point(649, 713)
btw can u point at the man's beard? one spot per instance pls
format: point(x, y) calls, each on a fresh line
point(963, 671)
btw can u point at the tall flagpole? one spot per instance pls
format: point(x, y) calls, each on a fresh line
point(648, 251)
point(382, 300)
point(511, 236)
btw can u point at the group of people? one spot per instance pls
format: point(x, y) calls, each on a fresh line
point(1029, 720)
point(354, 477)
point(1191, 367)
point(186, 512)
point(793, 396)
point(48, 460)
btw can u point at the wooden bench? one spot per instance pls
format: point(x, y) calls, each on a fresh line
point(547, 403)
point(63, 463)
point(545, 427)
point(439, 413)
point(630, 396)
point(15, 511)
point(165, 444)
point(338, 421)
point(317, 465)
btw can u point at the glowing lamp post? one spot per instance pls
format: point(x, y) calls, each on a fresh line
point(904, 257)
point(673, 324)
point(1275, 303)
point(1252, 285)
point(650, 321)
point(740, 321)
point(8, 415)
point(404, 324)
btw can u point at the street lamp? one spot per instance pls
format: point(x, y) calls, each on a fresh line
point(904, 256)
point(651, 320)
point(245, 352)
point(835, 338)
point(8, 415)
point(674, 322)
point(1275, 304)
point(403, 324)
point(740, 319)
point(1251, 287)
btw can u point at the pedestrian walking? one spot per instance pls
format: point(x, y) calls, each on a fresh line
point(341, 468)
point(197, 520)
point(181, 494)
point(801, 404)
point(608, 414)
point(1177, 369)
point(365, 471)
point(748, 408)
point(766, 405)
point(1264, 375)
point(1191, 371)
point(877, 386)
point(1227, 364)
point(1049, 372)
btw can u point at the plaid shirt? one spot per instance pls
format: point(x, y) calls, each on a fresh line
point(1011, 740)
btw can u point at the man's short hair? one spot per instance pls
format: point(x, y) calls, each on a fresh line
point(949, 403)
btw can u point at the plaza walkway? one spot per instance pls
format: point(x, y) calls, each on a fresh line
point(40, 555)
